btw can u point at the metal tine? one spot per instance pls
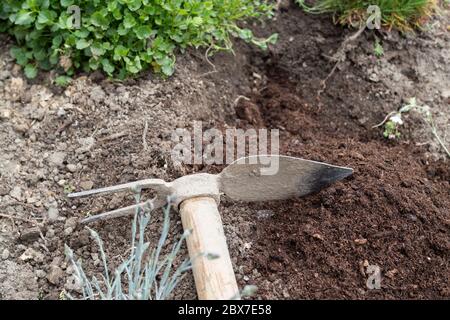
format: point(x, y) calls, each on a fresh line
point(121, 212)
point(143, 184)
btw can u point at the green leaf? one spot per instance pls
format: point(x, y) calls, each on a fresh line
point(197, 21)
point(167, 70)
point(143, 32)
point(20, 55)
point(82, 44)
point(129, 21)
point(82, 33)
point(99, 20)
point(56, 41)
point(133, 66)
point(63, 81)
point(112, 6)
point(30, 71)
point(24, 17)
point(94, 64)
point(122, 30)
point(46, 16)
point(120, 52)
point(107, 66)
point(97, 49)
point(67, 3)
point(40, 54)
point(134, 5)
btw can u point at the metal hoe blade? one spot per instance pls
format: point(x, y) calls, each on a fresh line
point(291, 177)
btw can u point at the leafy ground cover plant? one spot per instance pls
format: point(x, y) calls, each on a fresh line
point(122, 37)
point(404, 15)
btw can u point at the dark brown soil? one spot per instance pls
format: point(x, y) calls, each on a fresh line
point(393, 213)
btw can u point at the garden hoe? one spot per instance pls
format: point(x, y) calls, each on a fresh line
point(197, 197)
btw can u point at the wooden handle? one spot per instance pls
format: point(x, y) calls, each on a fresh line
point(214, 278)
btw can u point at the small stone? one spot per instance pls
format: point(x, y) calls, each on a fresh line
point(5, 254)
point(37, 114)
point(31, 254)
point(50, 233)
point(58, 260)
point(246, 278)
point(52, 213)
point(397, 76)
point(30, 234)
point(70, 270)
point(360, 241)
point(61, 112)
point(71, 167)
point(21, 127)
point(17, 87)
point(445, 94)
point(97, 94)
point(86, 185)
point(68, 231)
point(73, 283)
point(27, 255)
point(32, 200)
point(86, 145)
point(4, 190)
point(16, 193)
point(5, 114)
point(391, 273)
point(55, 275)
point(56, 159)
point(82, 239)
point(40, 274)
point(61, 182)
point(71, 223)
point(4, 74)
point(317, 236)
point(374, 77)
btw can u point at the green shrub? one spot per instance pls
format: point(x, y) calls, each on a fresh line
point(400, 14)
point(122, 37)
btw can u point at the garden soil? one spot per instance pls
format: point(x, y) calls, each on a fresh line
point(392, 216)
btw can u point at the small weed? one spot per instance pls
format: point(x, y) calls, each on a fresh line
point(68, 188)
point(391, 130)
point(394, 121)
point(63, 81)
point(378, 49)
